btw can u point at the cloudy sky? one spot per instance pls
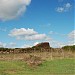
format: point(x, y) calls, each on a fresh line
point(25, 23)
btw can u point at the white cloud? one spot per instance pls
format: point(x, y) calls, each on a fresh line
point(26, 46)
point(29, 45)
point(8, 45)
point(56, 44)
point(27, 34)
point(35, 37)
point(60, 9)
point(56, 33)
point(35, 43)
point(2, 44)
point(10, 9)
point(71, 35)
point(11, 45)
point(22, 31)
point(64, 8)
point(68, 5)
point(70, 39)
point(52, 32)
point(71, 42)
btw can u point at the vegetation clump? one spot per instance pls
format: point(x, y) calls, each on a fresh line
point(69, 48)
point(33, 60)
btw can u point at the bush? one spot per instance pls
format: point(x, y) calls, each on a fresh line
point(69, 48)
point(32, 60)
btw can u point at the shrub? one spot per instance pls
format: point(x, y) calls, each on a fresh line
point(69, 48)
point(32, 60)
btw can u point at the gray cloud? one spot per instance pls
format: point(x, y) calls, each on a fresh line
point(71, 35)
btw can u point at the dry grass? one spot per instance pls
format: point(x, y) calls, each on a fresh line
point(33, 61)
point(43, 55)
point(29, 63)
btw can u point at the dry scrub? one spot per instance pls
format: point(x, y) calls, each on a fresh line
point(33, 60)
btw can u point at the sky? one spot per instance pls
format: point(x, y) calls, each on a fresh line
point(25, 23)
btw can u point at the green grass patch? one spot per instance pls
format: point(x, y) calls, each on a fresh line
point(54, 67)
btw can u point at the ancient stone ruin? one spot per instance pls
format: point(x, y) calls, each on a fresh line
point(43, 45)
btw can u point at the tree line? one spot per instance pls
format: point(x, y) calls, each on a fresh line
point(69, 48)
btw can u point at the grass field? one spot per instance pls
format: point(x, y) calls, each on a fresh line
point(52, 67)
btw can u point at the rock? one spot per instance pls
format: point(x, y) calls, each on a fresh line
point(43, 45)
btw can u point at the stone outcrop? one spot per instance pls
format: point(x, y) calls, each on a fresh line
point(43, 45)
